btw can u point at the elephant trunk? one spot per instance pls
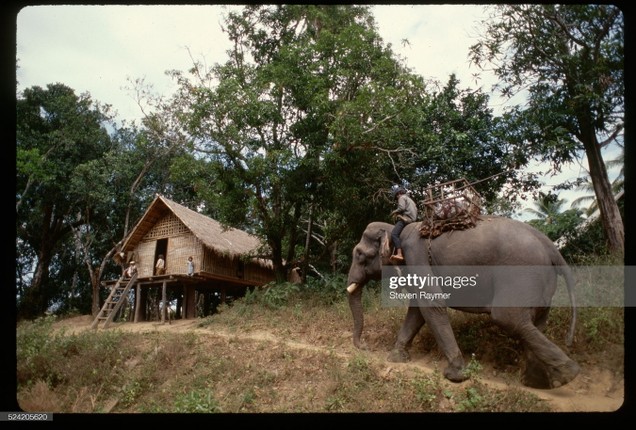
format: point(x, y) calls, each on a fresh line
point(355, 304)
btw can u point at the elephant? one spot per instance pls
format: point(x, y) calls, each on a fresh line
point(518, 304)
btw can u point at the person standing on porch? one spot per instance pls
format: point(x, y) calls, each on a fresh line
point(160, 267)
point(132, 270)
point(190, 266)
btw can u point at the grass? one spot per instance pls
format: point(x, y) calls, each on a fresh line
point(203, 372)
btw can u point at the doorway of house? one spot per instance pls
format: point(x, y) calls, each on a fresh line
point(161, 249)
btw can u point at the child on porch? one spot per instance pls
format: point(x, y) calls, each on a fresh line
point(190, 266)
point(132, 269)
point(160, 266)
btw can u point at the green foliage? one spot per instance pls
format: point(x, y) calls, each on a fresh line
point(569, 60)
point(473, 368)
point(460, 138)
point(278, 295)
point(57, 357)
point(278, 124)
point(328, 290)
point(307, 124)
point(598, 327)
point(428, 390)
point(33, 339)
point(60, 140)
point(360, 367)
point(207, 371)
point(196, 401)
point(600, 322)
point(589, 246)
point(552, 53)
point(265, 123)
point(130, 392)
point(272, 295)
point(472, 400)
point(559, 225)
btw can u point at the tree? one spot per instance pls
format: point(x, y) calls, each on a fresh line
point(618, 185)
point(551, 219)
point(570, 60)
point(91, 187)
point(265, 121)
point(547, 207)
point(113, 191)
point(57, 135)
point(459, 137)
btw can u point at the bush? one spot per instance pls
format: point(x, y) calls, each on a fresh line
point(327, 290)
point(277, 295)
point(33, 341)
point(198, 401)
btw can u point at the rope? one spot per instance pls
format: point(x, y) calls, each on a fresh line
point(470, 184)
point(492, 176)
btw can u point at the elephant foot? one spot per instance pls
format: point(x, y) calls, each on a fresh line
point(398, 355)
point(543, 377)
point(456, 371)
point(360, 344)
point(455, 375)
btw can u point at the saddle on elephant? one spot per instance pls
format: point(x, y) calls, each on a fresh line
point(453, 205)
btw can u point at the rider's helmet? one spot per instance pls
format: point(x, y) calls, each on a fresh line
point(397, 190)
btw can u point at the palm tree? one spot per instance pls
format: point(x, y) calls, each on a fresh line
point(618, 185)
point(548, 206)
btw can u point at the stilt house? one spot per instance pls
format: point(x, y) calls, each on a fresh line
point(225, 263)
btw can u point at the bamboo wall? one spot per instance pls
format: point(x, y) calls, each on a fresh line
point(183, 244)
point(233, 267)
point(179, 249)
point(168, 226)
point(257, 273)
point(145, 255)
point(219, 264)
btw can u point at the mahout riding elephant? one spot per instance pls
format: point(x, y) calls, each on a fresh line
point(518, 301)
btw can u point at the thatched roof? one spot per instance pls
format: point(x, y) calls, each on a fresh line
point(228, 241)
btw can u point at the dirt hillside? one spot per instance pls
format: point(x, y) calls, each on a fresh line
point(594, 390)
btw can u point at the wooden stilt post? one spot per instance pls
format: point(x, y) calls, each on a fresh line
point(163, 300)
point(137, 303)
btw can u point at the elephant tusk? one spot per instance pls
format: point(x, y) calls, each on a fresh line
point(351, 288)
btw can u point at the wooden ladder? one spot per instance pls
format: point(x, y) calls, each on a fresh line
point(114, 301)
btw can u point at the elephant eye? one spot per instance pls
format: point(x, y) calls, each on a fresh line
point(360, 256)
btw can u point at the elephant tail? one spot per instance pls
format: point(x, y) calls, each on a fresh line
point(566, 272)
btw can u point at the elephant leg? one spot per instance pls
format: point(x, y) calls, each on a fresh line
point(547, 366)
point(411, 326)
point(534, 372)
point(541, 318)
point(439, 324)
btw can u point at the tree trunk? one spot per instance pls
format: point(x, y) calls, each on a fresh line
point(95, 284)
point(334, 257)
point(36, 300)
point(307, 243)
point(36, 303)
point(607, 205)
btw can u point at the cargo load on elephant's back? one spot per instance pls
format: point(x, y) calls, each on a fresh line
point(453, 205)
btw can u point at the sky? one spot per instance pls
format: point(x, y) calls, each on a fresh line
point(101, 49)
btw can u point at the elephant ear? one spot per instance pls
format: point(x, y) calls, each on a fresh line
point(385, 249)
